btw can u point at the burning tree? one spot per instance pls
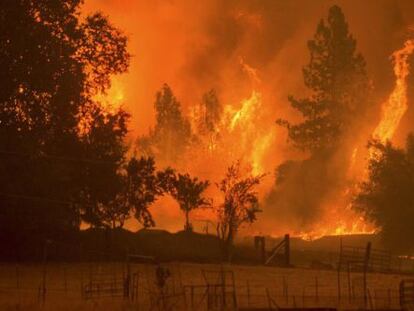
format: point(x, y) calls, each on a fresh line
point(209, 114)
point(241, 204)
point(387, 197)
point(187, 191)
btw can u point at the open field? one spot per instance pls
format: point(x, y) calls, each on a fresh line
point(58, 287)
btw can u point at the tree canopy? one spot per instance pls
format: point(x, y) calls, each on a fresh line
point(387, 196)
point(60, 149)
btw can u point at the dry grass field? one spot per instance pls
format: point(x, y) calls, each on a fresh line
point(59, 287)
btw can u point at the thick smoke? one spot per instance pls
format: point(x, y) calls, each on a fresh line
point(198, 45)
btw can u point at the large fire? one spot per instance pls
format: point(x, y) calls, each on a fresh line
point(166, 53)
point(245, 135)
point(346, 221)
point(243, 126)
point(397, 104)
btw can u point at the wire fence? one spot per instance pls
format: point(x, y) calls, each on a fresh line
point(88, 285)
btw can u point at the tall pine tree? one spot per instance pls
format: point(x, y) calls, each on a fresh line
point(339, 95)
point(337, 80)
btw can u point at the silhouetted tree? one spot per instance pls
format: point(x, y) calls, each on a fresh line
point(171, 135)
point(53, 64)
point(144, 186)
point(387, 197)
point(188, 192)
point(138, 187)
point(115, 212)
point(241, 204)
point(337, 80)
point(102, 180)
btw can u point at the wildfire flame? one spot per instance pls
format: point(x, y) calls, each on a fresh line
point(358, 225)
point(392, 111)
point(243, 135)
point(397, 104)
point(244, 115)
point(243, 127)
point(114, 97)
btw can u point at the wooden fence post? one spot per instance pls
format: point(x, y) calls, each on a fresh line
point(285, 290)
point(389, 298)
point(339, 270)
point(366, 265)
point(303, 297)
point(248, 293)
point(17, 276)
point(316, 289)
point(65, 279)
point(192, 297)
point(44, 272)
point(287, 250)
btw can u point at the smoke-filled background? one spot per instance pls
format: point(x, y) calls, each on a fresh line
point(252, 53)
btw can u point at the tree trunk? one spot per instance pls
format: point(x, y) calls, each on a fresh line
point(187, 226)
point(229, 245)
